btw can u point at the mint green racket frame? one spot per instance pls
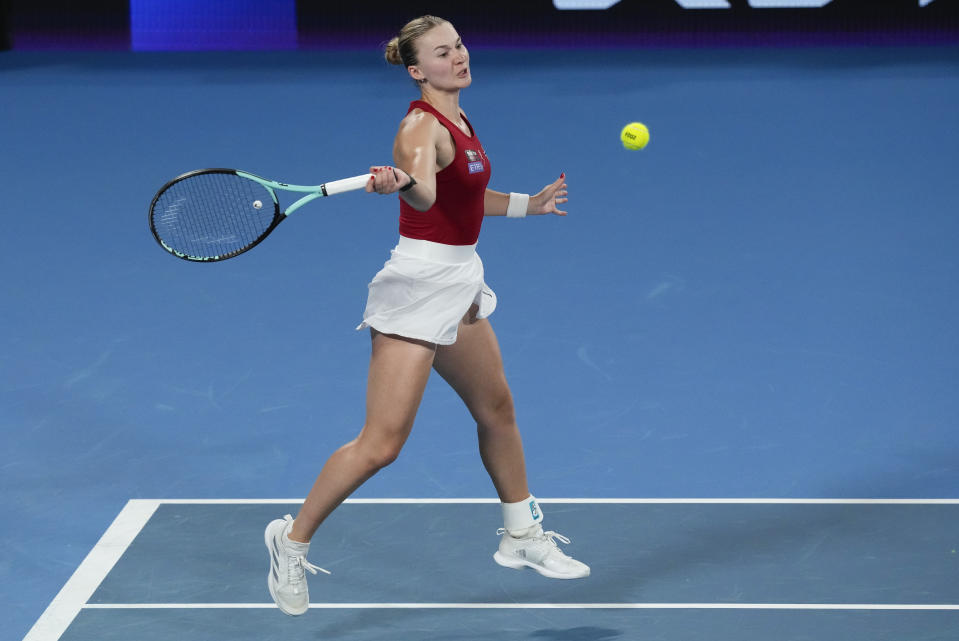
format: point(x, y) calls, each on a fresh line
point(312, 193)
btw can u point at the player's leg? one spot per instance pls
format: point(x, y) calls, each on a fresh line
point(473, 367)
point(399, 370)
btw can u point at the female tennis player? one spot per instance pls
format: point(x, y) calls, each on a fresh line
point(427, 309)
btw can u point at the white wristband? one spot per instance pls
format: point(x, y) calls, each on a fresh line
point(518, 204)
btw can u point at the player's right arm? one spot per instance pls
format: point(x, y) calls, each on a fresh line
point(414, 152)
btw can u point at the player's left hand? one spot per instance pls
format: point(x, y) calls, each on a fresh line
point(548, 200)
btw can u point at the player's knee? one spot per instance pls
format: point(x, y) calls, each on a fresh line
point(500, 412)
point(384, 456)
point(505, 410)
point(382, 453)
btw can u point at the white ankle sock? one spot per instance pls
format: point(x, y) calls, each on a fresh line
point(520, 518)
point(296, 546)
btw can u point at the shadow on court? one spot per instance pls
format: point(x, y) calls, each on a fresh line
point(582, 633)
point(428, 626)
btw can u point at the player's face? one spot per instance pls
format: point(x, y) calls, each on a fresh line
point(443, 58)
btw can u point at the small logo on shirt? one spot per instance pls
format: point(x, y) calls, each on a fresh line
point(474, 164)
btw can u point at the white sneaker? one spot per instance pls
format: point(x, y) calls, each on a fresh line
point(287, 579)
point(538, 550)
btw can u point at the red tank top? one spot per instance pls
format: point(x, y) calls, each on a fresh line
point(457, 215)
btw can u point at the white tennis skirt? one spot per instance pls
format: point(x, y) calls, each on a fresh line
point(425, 289)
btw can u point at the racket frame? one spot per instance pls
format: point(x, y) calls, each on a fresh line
point(312, 193)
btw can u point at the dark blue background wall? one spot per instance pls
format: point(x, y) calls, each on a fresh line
point(310, 24)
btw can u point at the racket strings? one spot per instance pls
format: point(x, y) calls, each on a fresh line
point(212, 215)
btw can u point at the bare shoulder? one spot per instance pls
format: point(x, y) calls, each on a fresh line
point(418, 128)
point(419, 140)
point(418, 131)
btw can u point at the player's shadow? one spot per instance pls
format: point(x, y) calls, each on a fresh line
point(424, 625)
point(582, 633)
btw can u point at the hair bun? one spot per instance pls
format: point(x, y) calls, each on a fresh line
point(393, 52)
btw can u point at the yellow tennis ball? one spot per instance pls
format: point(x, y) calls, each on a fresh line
point(635, 135)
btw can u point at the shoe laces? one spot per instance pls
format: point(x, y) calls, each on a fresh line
point(296, 566)
point(297, 562)
point(549, 536)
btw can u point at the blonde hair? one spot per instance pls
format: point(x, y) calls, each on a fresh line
point(401, 50)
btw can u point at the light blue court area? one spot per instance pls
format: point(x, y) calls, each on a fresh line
point(752, 570)
point(762, 304)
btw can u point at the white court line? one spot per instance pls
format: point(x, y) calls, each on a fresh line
point(530, 606)
point(74, 595)
point(80, 587)
point(594, 501)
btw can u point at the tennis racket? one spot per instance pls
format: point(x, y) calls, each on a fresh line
point(209, 215)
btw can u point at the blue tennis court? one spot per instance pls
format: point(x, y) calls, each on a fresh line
point(722, 565)
point(734, 362)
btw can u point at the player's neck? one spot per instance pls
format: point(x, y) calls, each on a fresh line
point(447, 103)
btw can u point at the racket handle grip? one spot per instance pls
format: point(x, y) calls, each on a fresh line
point(346, 184)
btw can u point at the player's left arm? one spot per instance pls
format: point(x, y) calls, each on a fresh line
point(547, 201)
